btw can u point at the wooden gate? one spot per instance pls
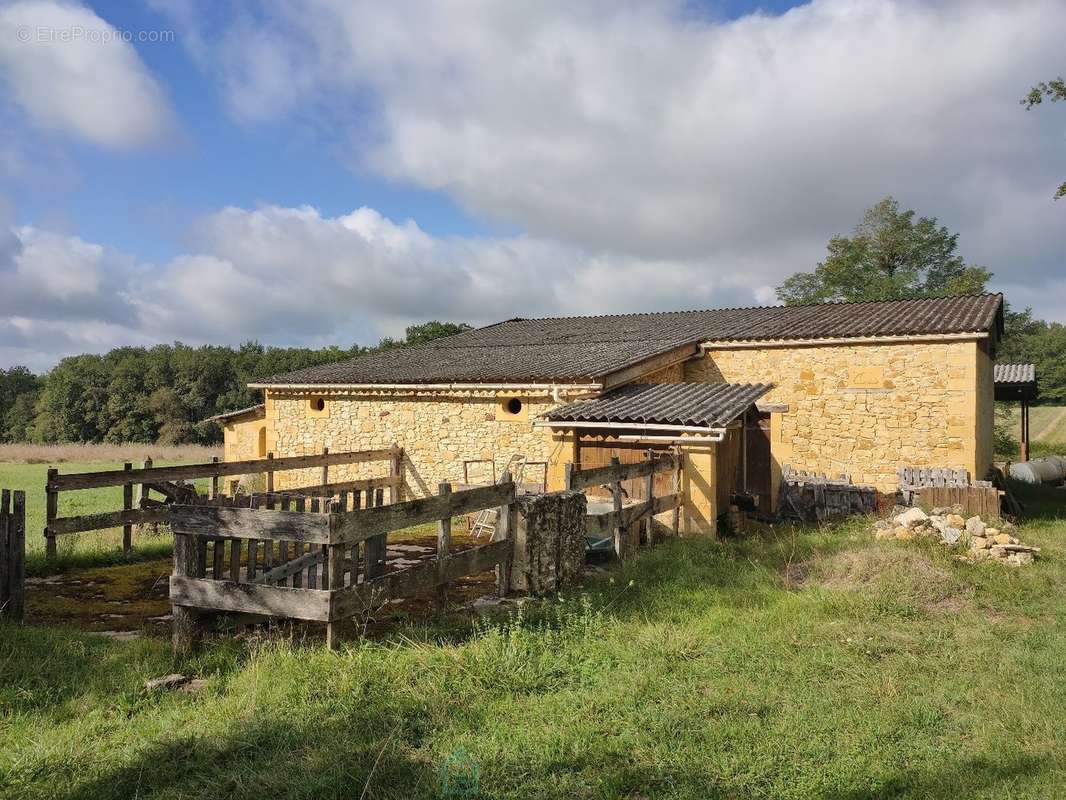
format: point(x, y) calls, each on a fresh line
point(593, 452)
point(755, 478)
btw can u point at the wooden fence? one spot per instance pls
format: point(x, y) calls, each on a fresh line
point(983, 501)
point(621, 519)
point(817, 498)
point(167, 481)
point(12, 554)
point(325, 565)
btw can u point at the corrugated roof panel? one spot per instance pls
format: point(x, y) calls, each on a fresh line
point(579, 349)
point(1014, 373)
point(712, 405)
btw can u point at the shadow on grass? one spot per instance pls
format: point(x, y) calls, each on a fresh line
point(381, 753)
point(953, 779)
point(1042, 502)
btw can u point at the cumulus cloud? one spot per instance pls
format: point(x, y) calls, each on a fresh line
point(292, 275)
point(71, 72)
point(646, 130)
point(651, 158)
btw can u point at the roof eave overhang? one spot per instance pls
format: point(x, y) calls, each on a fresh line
point(422, 387)
point(742, 344)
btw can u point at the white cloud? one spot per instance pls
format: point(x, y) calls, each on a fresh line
point(646, 130)
point(291, 275)
point(71, 72)
point(651, 158)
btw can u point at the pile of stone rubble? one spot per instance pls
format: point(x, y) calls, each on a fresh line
point(985, 540)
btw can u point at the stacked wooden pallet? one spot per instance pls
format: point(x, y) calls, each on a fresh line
point(816, 498)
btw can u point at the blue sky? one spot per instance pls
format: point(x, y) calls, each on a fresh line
point(356, 167)
point(134, 201)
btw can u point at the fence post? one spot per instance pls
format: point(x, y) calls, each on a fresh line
point(12, 554)
point(144, 486)
point(270, 473)
point(649, 523)
point(51, 512)
point(185, 635)
point(505, 532)
point(325, 469)
point(127, 505)
point(396, 470)
point(5, 551)
point(16, 548)
point(214, 480)
point(444, 543)
point(619, 530)
point(677, 491)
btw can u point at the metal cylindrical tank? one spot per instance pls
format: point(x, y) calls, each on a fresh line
point(1040, 470)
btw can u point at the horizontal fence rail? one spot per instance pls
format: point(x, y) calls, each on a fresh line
point(621, 519)
point(327, 565)
point(162, 480)
point(600, 476)
point(96, 480)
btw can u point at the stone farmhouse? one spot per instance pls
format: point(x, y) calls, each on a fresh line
point(854, 388)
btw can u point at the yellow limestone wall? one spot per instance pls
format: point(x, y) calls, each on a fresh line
point(241, 440)
point(867, 409)
point(438, 431)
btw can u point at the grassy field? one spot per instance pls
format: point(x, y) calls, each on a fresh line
point(25, 467)
point(794, 664)
point(1047, 428)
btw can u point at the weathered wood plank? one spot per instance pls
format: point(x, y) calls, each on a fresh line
point(604, 524)
point(356, 526)
point(286, 570)
point(242, 523)
point(51, 512)
point(353, 600)
point(250, 598)
point(185, 632)
point(599, 476)
point(108, 519)
point(362, 484)
point(444, 546)
point(95, 480)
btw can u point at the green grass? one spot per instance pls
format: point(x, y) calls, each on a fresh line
point(809, 664)
point(80, 549)
point(1047, 428)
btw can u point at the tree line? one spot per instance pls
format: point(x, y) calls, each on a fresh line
point(158, 394)
point(163, 394)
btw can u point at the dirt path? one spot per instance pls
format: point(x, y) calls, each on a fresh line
point(1051, 426)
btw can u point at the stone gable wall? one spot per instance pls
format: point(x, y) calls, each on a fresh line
point(867, 409)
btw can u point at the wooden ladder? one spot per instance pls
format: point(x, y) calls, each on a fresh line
point(486, 520)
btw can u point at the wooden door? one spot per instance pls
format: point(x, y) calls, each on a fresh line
point(756, 463)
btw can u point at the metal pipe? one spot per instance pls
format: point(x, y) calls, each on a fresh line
point(628, 426)
point(713, 439)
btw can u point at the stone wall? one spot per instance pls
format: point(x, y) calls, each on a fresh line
point(866, 409)
point(549, 542)
point(241, 440)
point(437, 430)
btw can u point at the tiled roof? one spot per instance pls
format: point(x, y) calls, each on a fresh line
point(712, 405)
point(575, 349)
point(1013, 373)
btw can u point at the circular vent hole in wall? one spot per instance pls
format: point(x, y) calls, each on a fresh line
point(318, 404)
point(513, 406)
